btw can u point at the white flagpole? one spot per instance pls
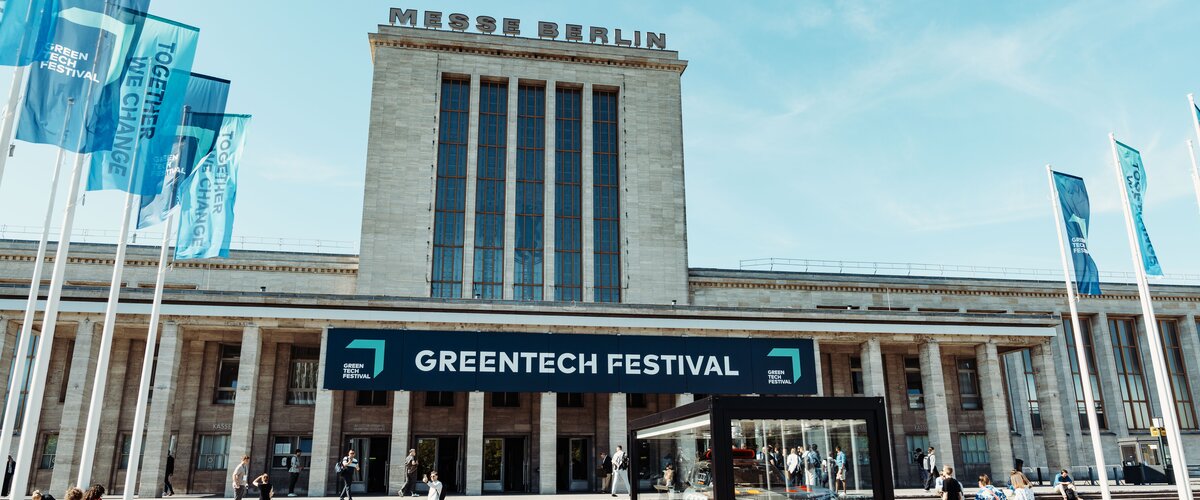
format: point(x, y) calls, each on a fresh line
point(1195, 172)
point(1163, 382)
point(17, 381)
point(16, 96)
point(1080, 354)
point(1195, 117)
point(139, 419)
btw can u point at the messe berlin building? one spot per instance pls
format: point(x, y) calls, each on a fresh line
point(523, 236)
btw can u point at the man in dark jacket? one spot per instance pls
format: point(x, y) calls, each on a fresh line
point(606, 470)
point(169, 490)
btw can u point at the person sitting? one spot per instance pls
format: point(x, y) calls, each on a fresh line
point(1062, 483)
point(987, 491)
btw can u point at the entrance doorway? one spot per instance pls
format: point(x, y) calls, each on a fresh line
point(504, 466)
point(372, 452)
point(440, 454)
point(574, 463)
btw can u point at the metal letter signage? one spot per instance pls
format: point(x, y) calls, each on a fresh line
point(510, 26)
point(392, 360)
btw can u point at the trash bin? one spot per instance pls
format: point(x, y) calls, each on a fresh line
point(1134, 474)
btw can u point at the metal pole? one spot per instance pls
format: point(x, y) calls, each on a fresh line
point(1166, 399)
point(139, 419)
point(1085, 374)
point(35, 285)
point(16, 96)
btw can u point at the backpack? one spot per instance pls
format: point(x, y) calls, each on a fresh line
point(810, 460)
point(1070, 493)
point(337, 467)
point(622, 463)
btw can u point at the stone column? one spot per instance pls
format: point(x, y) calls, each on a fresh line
point(474, 448)
point(74, 412)
point(818, 368)
point(319, 467)
point(510, 184)
point(872, 366)
point(548, 445)
point(242, 433)
point(1189, 341)
point(1013, 365)
point(468, 265)
point(1110, 383)
point(937, 411)
point(587, 214)
point(159, 421)
point(401, 409)
point(995, 412)
point(1056, 419)
point(618, 420)
point(548, 189)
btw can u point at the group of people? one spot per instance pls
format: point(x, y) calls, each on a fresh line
point(804, 467)
point(613, 470)
point(947, 487)
point(96, 492)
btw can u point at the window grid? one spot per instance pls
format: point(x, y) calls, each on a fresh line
point(1128, 358)
point(126, 443)
point(439, 398)
point(968, 384)
point(49, 451)
point(506, 400)
point(857, 383)
point(606, 209)
point(570, 400)
point(214, 451)
point(284, 448)
point(489, 191)
point(227, 373)
point(529, 239)
point(568, 195)
point(914, 386)
point(302, 384)
point(974, 448)
point(1035, 411)
point(1089, 350)
point(450, 205)
point(371, 398)
point(1177, 369)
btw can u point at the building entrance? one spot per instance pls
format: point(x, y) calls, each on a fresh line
point(505, 466)
point(372, 452)
point(574, 464)
point(440, 454)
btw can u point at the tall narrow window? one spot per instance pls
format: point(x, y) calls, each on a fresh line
point(857, 385)
point(214, 450)
point(1128, 357)
point(1089, 349)
point(450, 202)
point(1177, 368)
point(913, 384)
point(568, 195)
point(606, 206)
point(489, 191)
point(1035, 411)
point(25, 365)
point(968, 384)
point(302, 384)
point(529, 240)
point(227, 373)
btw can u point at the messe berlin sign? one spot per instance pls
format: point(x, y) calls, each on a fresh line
point(391, 360)
point(509, 26)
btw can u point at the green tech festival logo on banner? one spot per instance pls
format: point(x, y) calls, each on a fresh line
point(776, 376)
point(352, 370)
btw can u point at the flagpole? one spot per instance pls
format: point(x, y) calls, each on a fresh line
point(17, 381)
point(16, 96)
point(139, 419)
point(1085, 370)
point(1162, 381)
point(1195, 172)
point(1195, 117)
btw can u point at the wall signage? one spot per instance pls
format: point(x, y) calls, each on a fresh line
point(509, 26)
point(389, 360)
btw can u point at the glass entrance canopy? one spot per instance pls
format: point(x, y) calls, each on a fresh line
point(769, 448)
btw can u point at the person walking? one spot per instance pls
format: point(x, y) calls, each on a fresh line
point(294, 468)
point(620, 466)
point(240, 476)
point(606, 471)
point(9, 469)
point(169, 490)
point(839, 461)
point(435, 486)
point(412, 469)
point(932, 468)
point(1021, 485)
point(792, 468)
point(349, 465)
point(951, 488)
point(263, 483)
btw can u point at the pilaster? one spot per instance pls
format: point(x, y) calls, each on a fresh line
point(74, 411)
point(245, 399)
point(474, 447)
point(995, 412)
point(548, 438)
point(401, 423)
point(162, 407)
point(322, 448)
point(937, 411)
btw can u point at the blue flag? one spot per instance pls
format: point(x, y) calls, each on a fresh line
point(206, 211)
point(151, 96)
point(86, 52)
point(25, 25)
point(1076, 212)
point(1134, 177)
point(194, 138)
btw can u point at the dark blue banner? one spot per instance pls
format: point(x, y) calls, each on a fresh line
point(391, 360)
point(1076, 212)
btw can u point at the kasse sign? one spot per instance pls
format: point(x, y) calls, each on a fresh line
point(392, 360)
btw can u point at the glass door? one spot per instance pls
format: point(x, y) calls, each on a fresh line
point(580, 468)
point(493, 464)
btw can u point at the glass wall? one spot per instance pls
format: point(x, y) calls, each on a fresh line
point(772, 458)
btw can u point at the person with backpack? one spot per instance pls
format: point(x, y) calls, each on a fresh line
point(931, 466)
point(620, 470)
point(812, 462)
point(1064, 485)
point(922, 465)
point(345, 468)
point(294, 467)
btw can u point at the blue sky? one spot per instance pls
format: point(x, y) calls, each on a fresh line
point(877, 131)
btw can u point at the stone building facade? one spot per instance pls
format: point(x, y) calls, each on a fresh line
point(472, 229)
